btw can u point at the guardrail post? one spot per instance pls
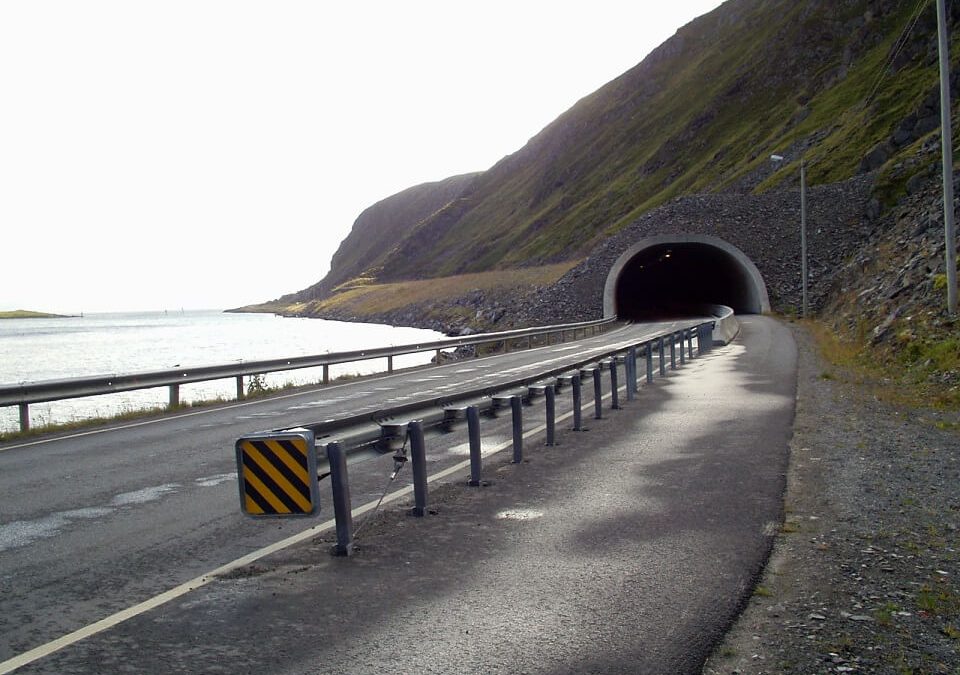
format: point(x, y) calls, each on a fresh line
point(706, 339)
point(342, 510)
point(516, 407)
point(326, 374)
point(683, 353)
point(631, 367)
point(663, 357)
point(418, 458)
point(577, 402)
point(174, 395)
point(673, 351)
point(649, 355)
point(390, 363)
point(24, 417)
point(240, 392)
point(476, 456)
point(614, 385)
point(597, 393)
point(690, 344)
point(551, 406)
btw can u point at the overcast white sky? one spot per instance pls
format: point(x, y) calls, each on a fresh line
point(214, 153)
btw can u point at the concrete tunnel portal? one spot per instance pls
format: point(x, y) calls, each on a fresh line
point(676, 275)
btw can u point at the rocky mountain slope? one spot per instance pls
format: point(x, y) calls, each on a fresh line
point(850, 84)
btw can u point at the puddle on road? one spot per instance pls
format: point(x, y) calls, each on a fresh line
point(520, 514)
point(143, 496)
point(212, 481)
point(24, 532)
point(487, 445)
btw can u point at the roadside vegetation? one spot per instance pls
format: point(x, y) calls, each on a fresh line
point(919, 367)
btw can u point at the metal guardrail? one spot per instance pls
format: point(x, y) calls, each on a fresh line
point(26, 393)
point(333, 444)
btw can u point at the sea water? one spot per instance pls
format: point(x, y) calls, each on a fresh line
point(33, 350)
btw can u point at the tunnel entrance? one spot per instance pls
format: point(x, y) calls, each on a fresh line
point(670, 276)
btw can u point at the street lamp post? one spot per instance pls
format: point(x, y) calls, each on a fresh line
point(803, 229)
point(946, 134)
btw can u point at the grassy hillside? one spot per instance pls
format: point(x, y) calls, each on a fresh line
point(835, 80)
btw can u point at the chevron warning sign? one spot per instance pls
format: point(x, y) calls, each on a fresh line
point(278, 474)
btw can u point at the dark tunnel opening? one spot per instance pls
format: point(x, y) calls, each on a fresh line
point(680, 278)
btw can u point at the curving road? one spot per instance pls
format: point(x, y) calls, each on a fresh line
point(93, 523)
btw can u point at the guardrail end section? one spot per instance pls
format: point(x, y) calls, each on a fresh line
point(277, 474)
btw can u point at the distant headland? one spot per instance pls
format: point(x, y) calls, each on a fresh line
point(27, 314)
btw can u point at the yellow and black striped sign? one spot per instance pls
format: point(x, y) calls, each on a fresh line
point(278, 474)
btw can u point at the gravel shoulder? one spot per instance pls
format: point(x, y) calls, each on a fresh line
point(863, 577)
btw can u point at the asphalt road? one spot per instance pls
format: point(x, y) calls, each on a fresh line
point(96, 522)
point(627, 548)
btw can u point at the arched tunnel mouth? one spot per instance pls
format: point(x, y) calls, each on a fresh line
point(682, 278)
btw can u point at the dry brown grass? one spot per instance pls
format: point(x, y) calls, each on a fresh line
point(367, 298)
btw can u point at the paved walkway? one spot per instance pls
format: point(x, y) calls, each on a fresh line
point(627, 548)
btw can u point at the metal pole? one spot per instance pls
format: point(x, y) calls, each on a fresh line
point(418, 458)
point(631, 364)
point(597, 393)
point(174, 395)
point(663, 357)
point(946, 134)
point(551, 415)
point(614, 385)
point(803, 232)
point(24, 417)
point(673, 351)
point(649, 363)
point(473, 432)
point(516, 407)
point(342, 512)
point(239, 387)
point(577, 402)
point(683, 353)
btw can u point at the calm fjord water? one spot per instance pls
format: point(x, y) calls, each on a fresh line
point(99, 344)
